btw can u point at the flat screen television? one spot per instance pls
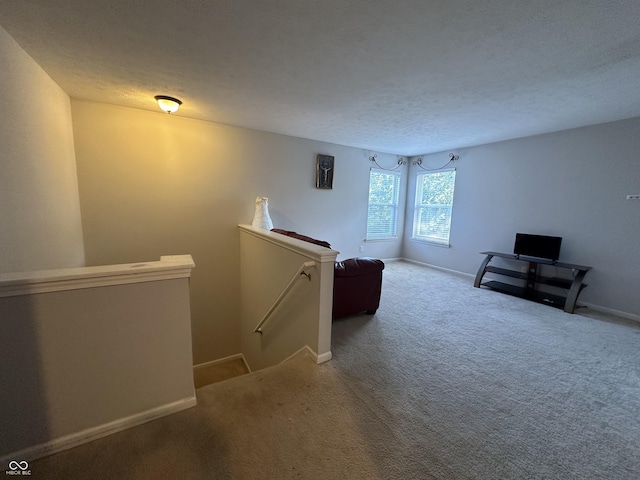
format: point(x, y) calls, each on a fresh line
point(539, 246)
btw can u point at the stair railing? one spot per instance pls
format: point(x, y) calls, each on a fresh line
point(301, 272)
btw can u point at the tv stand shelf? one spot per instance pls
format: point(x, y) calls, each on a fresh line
point(530, 279)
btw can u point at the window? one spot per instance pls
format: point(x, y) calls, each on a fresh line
point(384, 194)
point(434, 201)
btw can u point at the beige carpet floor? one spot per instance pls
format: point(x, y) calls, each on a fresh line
point(445, 382)
point(293, 421)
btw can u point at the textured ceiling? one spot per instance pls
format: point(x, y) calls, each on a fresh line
point(398, 76)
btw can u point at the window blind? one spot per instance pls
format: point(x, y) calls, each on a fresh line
point(433, 206)
point(384, 195)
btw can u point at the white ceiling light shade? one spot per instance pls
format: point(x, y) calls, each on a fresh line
point(168, 104)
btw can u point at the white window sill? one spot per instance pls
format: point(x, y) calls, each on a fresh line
point(386, 239)
point(430, 242)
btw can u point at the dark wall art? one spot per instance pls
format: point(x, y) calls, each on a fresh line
point(324, 171)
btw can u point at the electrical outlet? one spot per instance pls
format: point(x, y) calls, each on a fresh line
point(633, 197)
point(361, 248)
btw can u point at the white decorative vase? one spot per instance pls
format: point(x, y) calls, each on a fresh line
point(262, 219)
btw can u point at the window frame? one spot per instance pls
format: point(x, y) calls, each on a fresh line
point(395, 205)
point(419, 207)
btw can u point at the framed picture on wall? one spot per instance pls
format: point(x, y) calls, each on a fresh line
point(324, 171)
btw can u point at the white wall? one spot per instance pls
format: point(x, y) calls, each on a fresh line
point(571, 184)
point(140, 171)
point(39, 205)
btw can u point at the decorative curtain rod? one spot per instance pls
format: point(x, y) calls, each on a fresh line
point(401, 162)
point(418, 162)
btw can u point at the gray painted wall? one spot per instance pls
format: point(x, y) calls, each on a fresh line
point(571, 184)
point(40, 225)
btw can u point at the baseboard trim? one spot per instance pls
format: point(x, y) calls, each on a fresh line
point(304, 351)
point(324, 357)
point(610, 311)
point(442, 269)
point(223, 360)
point(392, 260)
point(308, 351)
point(85, 436)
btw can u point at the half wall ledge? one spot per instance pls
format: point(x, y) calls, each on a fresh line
point(42, 281)
point(315, 252)
point(90, 351)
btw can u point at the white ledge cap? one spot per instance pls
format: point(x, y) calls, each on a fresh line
point(310, 250)
point(42, 281)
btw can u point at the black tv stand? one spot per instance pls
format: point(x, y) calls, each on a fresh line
point(531, 284)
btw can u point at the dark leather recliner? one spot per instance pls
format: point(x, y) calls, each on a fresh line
point(357, 282)
point(357, 285)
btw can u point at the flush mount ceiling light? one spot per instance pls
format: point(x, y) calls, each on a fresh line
point(168, 104)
